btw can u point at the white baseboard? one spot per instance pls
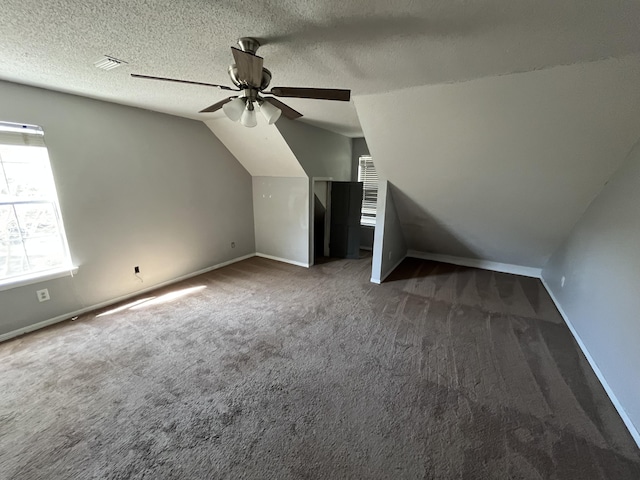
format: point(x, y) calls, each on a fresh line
point(612, 396)
point(284, 260)
point(380, 280)
point(67, 316)
point(478, 263)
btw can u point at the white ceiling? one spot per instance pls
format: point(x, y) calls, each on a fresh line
point(368, 46)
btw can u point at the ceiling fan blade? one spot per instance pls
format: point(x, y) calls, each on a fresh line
point(216, 106)
point(249, 67)
point(137, 75)
point(287, 111)
point(317, 93)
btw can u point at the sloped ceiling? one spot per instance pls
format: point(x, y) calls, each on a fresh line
point(501, 168)
point(320, 153)
point(261, 150)
point(499, 165)
point(369, 46)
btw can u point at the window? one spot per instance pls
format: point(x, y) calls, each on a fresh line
point(368, 176)
point(32, 239)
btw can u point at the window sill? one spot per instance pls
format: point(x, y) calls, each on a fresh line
point(37, 278)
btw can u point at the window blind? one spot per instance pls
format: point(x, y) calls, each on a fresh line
point(369, 177)
point(17, 134)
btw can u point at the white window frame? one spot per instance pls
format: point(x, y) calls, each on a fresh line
point(31, 136)
point(369, 177)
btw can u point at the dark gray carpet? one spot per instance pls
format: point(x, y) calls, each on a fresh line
point(275, 371)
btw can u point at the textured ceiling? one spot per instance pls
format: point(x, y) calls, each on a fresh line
point(369, 46)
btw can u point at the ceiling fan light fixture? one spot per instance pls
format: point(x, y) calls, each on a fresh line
point(234, 109)
point(248, 118)
point(270, 112)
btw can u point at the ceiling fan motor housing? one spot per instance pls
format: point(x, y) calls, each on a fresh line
point(264, 83)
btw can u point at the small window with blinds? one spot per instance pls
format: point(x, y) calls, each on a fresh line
point(32, 238)
point(369, 178)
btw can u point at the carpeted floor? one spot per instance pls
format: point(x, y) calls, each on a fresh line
point(271, 371)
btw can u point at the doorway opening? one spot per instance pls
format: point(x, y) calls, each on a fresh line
point(321, 215)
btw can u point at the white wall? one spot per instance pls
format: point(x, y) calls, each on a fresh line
point(600, 298)
point(501, 168)
point(389, 246)
point(281, 207)
point(320, 152)
point(135, 188)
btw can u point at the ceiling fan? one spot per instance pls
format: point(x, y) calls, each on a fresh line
point(252, 79)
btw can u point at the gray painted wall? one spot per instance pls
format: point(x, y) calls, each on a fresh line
point(135, 188)
point(281, 207)
point(359, 147)
point(320, 152)
point(600, 296)
point(501, 168)
point(366, 237)
point(389, 246)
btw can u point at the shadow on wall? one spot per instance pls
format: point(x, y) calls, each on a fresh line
point(423, 233)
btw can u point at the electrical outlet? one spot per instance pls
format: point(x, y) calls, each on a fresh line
point(136, 269)
point(233, 244)
point(43, 295)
